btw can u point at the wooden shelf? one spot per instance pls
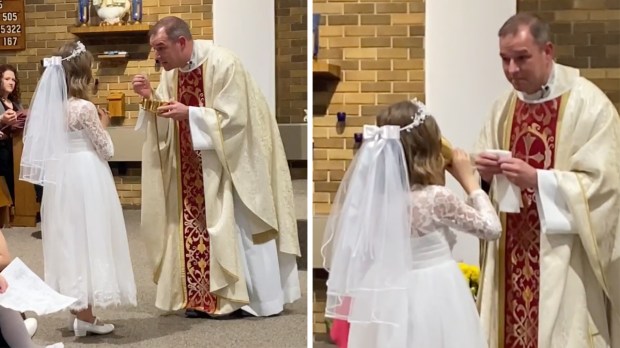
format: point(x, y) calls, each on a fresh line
point(324, 70)
point(111, 57)
point(97, 30)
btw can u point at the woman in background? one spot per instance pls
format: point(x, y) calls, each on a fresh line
point(11, 119)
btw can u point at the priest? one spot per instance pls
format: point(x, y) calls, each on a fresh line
point(553, 279)
point(218, 214)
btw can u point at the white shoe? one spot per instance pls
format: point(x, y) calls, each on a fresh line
point(31, 326)
point(81, 328)
point(56, 345)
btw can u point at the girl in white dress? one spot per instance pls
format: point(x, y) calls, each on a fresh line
point(392, 275)
point(66, 148)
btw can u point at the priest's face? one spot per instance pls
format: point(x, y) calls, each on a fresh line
point(169, 53)
point(527, 64)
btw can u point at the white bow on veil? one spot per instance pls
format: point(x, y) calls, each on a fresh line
point(385, 132)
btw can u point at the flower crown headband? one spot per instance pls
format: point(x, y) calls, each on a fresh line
point(56, 60)
point(392, 131)
point(417, 118)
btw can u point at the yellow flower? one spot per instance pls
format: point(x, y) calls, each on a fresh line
point(475, 274)
point(470, 272)
point(466, 269)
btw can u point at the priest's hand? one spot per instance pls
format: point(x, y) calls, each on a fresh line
point(141, 85)
point(487, 165)
point(174, 110)
point(519, 173)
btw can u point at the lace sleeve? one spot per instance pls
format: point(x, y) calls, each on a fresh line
point(89, 120)
point(479, 219)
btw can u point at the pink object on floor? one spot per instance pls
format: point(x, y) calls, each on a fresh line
point(339, 333)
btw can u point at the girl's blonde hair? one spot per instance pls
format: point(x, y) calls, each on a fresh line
point(78, 71)
point(422, 144)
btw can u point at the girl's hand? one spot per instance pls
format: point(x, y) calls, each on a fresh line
point(104, 116)
point(463, 171)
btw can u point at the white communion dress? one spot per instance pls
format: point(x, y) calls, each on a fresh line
point(85, 246)
point(438, 309)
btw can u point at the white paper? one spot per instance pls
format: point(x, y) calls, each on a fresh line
point(507, 195)
point(27, 292)
point(552, 209)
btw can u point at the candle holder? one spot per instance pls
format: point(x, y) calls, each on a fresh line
point(83, 12)
point(358, 137)
point(316, 21)
point(341, 117)
point(136, 11)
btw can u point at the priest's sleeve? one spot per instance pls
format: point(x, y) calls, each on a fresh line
point(590, 186)
point(227, 114)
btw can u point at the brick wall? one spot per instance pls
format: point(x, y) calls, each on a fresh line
point(319, 298)
point(291, 71)
point(380, 51)
point(127, 177)
point(587, 36)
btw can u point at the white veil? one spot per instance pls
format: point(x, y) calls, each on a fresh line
point(46, 132)
point(366, 247)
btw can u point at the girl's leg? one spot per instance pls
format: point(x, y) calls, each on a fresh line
point(13, 329)
point(85, 315)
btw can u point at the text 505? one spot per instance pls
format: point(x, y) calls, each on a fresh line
point(9, 16)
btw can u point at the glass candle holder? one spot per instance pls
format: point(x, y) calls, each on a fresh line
point(136, 11)
point(83, 12)
point(341, 116)
point(358, 138)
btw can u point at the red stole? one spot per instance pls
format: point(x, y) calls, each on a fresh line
point(532, 139)
point(193, 228)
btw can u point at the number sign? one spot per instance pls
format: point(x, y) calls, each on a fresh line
point(12, 27)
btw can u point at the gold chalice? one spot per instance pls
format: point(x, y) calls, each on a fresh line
point(152, 104)
point(446, 150)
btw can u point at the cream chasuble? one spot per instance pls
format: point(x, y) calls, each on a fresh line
point(230, 146)
point(545, 283)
